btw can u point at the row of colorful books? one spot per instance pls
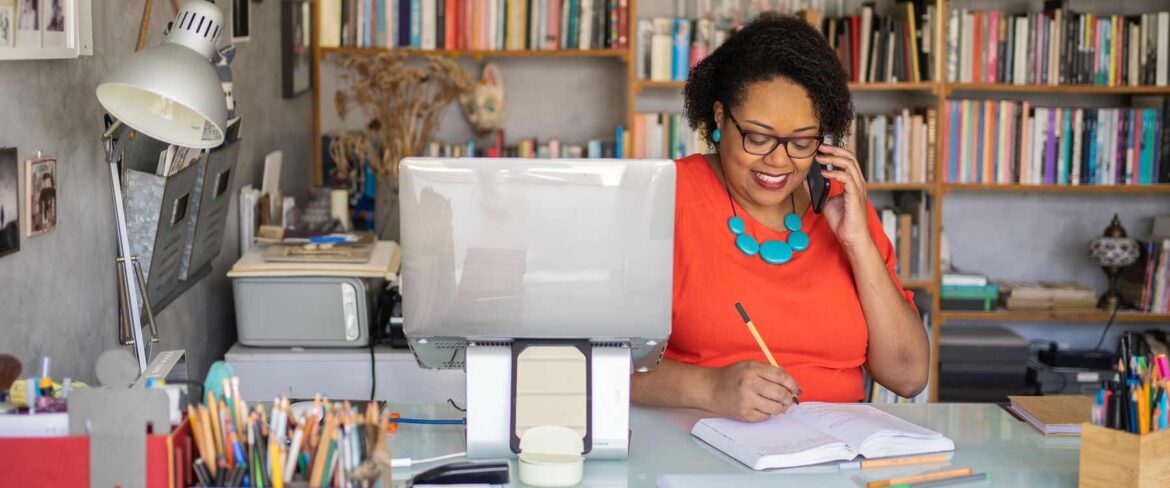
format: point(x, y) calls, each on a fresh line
point(475, 24)
point(1058, 46)
point(874, 48)
point(528, 148)
point(667, 48)
point(896, 148)
point(664, 136)
point(1000, 141)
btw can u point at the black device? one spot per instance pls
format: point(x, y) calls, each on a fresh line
point(465, 473)
point(1087, 359)
point(818, 187)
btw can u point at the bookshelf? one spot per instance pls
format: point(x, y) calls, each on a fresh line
point(932, 94)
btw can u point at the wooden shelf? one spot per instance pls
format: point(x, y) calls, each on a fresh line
point(1054, 316)
point(859, 87)
point(900, 86)
point(990, 187)
point(918, 283)
point(1062, 89)
point(899, 186)
point(671, 84)
point(550, 53)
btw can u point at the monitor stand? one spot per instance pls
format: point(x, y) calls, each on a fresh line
point(492, 371)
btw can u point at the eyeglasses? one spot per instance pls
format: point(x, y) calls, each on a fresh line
point(760, 144)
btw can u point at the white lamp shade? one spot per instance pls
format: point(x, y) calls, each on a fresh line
point(170, 93)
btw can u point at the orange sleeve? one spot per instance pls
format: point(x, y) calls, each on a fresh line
point(886, 249)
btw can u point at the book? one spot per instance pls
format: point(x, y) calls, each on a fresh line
point(813, 433)
point(1055, 415)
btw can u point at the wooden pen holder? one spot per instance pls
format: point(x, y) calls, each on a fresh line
point(1117, 459)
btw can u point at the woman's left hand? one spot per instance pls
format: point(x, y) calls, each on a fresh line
point(845, 212)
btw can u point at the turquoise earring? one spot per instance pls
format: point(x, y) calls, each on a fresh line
point(715, 135)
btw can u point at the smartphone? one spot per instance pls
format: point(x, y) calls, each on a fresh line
point(818, 187)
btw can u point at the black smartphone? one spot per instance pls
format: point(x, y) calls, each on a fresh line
point(818, 187)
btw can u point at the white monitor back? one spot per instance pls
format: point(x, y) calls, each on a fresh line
point(503, 249)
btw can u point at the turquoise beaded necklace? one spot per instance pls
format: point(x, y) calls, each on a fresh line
point(772, 252)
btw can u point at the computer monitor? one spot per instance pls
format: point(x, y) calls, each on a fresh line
point(495, 250)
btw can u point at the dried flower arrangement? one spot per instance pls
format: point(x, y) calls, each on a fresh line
point(402, 102)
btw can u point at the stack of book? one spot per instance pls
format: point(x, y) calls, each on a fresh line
point(896, 148)
point(877, 48)
point(1145, 285)
point(1057, 46)
point(1000, 141)
point(664, 136)
point(908, 227)
point(475, 24)
point(967, 291)
point(1046, 295)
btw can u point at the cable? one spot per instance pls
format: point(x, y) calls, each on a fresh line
point(373, 371)
point(1106, 331)
point(408, 462)
point(455, 405)
point(404, 420)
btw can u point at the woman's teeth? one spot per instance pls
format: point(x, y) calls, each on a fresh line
point(769, 178)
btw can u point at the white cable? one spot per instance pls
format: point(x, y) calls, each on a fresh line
point(408, 462)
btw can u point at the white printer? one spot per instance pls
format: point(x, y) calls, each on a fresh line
point(309, 304)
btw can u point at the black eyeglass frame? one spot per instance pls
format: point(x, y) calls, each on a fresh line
point(777, 141)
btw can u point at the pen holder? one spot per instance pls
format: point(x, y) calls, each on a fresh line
point(1117, 459)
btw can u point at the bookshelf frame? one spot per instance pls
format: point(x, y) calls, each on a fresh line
point(939, 89)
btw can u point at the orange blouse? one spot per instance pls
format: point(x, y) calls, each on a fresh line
point(806, 310)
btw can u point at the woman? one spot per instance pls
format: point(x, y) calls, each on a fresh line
point(766, 100)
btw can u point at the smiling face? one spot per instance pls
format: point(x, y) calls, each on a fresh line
point(778, 108)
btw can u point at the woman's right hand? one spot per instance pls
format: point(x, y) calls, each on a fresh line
point(751, 391)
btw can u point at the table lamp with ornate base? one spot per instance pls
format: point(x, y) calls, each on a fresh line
point(1114, 251)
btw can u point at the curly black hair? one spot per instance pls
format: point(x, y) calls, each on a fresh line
point(771, 46)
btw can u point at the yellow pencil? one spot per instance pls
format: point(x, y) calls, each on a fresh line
point(759, 340)
point(921, 478)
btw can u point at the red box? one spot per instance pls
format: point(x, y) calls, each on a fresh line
point(64, 461)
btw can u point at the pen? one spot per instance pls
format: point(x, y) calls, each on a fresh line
point(948, 481)
point(760, 341)
point(906, 480)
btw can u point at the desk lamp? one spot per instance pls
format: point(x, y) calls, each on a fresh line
point(171, 93)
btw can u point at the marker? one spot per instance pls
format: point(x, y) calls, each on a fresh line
point(31, 394)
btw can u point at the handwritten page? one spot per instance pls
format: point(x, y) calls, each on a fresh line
point(775, 443)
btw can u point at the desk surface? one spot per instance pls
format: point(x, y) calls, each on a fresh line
point(663, 453)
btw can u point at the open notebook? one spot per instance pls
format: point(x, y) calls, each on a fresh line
point(812, 433)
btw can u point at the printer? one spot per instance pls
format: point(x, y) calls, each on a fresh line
point(281, 303)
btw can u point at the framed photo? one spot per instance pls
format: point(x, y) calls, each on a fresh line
point(296, 47)
point(7, 26)
point(53, 22)
point(40, 193)
point(28, 23)
point(9, 202)
point(241, 20)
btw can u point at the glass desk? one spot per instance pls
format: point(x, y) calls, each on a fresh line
point(663, 452)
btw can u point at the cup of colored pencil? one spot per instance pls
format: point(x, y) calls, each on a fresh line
point(331, 444)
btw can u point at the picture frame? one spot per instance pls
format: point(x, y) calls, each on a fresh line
point(7, 26)
point(241, 21)
point(40, 195)
point(9, 202)
point(54, 23)
point(28, 23)
point(296, 50)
